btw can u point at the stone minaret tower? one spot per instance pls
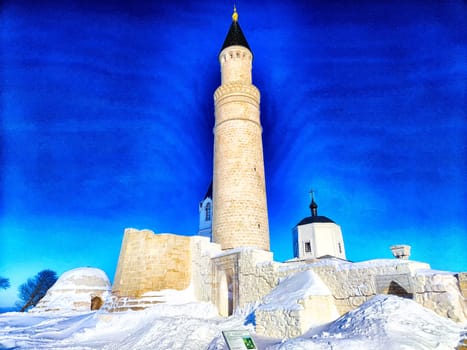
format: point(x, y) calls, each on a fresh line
point(240, 217)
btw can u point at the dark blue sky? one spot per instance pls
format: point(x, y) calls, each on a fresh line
point(107, 117)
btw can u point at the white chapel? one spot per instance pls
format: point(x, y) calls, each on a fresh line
point(317, 236)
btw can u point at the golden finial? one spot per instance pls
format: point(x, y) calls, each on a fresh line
point(235, 14)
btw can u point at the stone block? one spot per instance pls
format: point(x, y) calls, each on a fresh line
point(462, 277)
point(148, 261)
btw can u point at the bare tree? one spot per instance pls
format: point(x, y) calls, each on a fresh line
point(35, 288)
point(4, 283)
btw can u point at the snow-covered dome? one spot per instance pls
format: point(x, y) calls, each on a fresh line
point(82, 278)
point(80, 289)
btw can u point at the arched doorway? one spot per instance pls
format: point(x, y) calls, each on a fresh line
point(96, 303)
point(225, 294)
point(396, 289)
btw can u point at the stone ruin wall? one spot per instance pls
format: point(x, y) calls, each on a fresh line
point(244, 273)
point(352, 284)
point(256, 275)
point(152, 262)
point(441, 293)
point(462, 278)
point(202, 267)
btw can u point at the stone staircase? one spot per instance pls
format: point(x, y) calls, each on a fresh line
point(125, 303)
point(120, 304)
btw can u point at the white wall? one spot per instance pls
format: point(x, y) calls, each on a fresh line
point(324, 239)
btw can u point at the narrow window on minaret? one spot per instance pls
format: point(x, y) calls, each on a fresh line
point(208, 212)
point(307, 247)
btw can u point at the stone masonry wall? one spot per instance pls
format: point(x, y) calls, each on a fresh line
point(236, 64)
point(354, 283)
point(150, 262)
point(283, 323)
point(202, 272)
point(439, 291)
point(257, 275)
point(249, 276)
point(351, 284)
point(462, 278)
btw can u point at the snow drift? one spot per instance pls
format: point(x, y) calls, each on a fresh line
point(384, 322)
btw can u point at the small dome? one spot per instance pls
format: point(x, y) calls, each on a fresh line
point(314, 207)
point(82, 278)
point(76, 290)
point(313, 204)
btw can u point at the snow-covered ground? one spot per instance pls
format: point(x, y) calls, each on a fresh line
point(385, 322)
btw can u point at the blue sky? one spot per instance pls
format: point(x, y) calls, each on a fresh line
point(107, 117)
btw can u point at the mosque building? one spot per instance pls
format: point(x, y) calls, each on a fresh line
point(229, 262)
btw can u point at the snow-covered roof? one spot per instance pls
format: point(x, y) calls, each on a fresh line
point(82, 278)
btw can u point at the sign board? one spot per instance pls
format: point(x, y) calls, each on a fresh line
point(239, 340)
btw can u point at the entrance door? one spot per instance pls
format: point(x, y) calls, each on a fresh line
point(225, 294)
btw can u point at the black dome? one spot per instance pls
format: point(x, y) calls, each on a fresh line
point(318, 219)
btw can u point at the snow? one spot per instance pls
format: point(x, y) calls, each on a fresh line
point(343, 265)
point(74, 289)
point(293, 289)
point(81, 277)
point(384, 322)
point(367, 264)
point(348, 265)
point(429, 272)
point(171, 296)
point(234, 250)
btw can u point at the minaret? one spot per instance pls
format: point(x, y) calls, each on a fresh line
point(240, 217)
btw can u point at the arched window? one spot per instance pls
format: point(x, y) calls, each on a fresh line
point(208, 212)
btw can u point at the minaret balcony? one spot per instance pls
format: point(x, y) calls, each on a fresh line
point(232, 89)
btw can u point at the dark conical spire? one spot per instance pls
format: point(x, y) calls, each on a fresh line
point(208, 192)
point(235, 35)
